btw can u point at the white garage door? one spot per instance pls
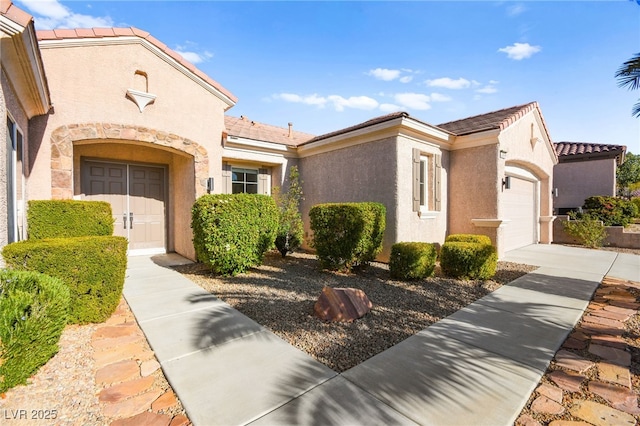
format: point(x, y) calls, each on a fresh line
point(520, 209)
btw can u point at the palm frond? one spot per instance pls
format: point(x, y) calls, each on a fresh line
point(635, 111)
point(629, 73)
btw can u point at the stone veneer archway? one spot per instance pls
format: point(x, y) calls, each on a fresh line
point(62, 140)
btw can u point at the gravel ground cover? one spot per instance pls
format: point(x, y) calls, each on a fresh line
point(281, 293)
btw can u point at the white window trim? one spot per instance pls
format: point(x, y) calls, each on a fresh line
point(12, 180)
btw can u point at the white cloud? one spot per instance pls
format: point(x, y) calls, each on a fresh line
point(356, 102)
point(449, 83)
point(417, 101)
point(307, 100)
point(406, 79)
point(194, 57)
point(384, 74)
point(516, 9)
point(52, 14)
point(438, 97)
point(390, 107)
point(487, 90)
point(519, 51)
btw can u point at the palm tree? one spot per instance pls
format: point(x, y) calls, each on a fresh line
point(629, 75)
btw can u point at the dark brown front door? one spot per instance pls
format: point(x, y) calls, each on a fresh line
point(137, 197)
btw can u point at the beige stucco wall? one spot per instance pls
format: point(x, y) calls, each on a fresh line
point(578, 180)
point(364, 172)
point(431, 226)
point(88, 85)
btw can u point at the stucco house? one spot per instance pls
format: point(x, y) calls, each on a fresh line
point(584, 170)
point(114, 114)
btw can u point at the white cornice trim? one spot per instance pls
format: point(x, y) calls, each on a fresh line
point(141, 99)
point(123, 40)
point(241, 142)
point(489, 137)
point(489, 223)
point(9, 27)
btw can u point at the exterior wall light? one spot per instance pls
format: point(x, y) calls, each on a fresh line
point(506, 182)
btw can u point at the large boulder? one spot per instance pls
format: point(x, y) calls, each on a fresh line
point(341, 304)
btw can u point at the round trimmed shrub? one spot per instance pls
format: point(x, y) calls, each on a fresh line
point(412, 260)
point(468, 260)
point(33, 313)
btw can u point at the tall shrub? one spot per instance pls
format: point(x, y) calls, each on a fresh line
point(611, 211)
point(68, 218)
point(33, 313)
point(587, 228)
point(346, 235)
point(468, 257)
point(231, 232)
point(412, 260)
point(92, 267)
point(290, 228)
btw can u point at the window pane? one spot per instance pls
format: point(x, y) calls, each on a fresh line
point(237, 188)
point(423, 197)
point(252, 188)
point(252, 177)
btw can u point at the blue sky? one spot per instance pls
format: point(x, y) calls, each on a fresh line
point(328, 65)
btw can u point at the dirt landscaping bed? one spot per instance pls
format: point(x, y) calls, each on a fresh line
point(281, 293)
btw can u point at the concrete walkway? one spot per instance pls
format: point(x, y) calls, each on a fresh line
point(477, 366)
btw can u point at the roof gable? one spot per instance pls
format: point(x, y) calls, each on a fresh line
point(107, 34)
point(495, 120)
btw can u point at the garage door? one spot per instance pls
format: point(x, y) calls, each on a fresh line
point(520, 209)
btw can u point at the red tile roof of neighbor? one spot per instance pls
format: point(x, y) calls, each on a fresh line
point(583, 150)
point(17, 15)
point(245, 128)
point(79, 33)
point(500, 119)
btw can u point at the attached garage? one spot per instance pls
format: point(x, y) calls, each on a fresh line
point(519, 204)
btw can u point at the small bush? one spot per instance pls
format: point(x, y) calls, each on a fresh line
point(68, 218)
point(231, 232)
point(611, 211)
point(346, 235)
point(33, 313)
point(468, 259)
point(92, 267)
point(290, 228)
point(586, 228)
point(636, 201)
point(469, 238)
point(412, 260)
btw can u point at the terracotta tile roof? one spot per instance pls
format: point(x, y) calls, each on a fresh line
point(490, 121)
point(362, 125)
point(131, 32)
point(245, 128)
point(568, 151)
point(14, 13)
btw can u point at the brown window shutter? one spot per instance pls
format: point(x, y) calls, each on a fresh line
point(437, 183)
point(416, 179)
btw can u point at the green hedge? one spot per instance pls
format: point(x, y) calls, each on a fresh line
point(33, 313)
point(468, 257)
point(611, 211)
point(636, 201)
point(468, 238)
point(346, 235)
point(412, 260)
point(92, 267)
point(231, 232)
point(68, 218)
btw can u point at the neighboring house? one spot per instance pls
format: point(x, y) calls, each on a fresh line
point(584, 170)
point(136, 125)
point(24, 96)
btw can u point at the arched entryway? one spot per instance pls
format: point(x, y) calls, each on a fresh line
point(150, 178)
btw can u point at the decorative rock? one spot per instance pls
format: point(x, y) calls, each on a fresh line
point(568, 381)
point(590, 318)
point(166, 400)
point(620, 398)
point(572, 343)
point(544, 405)
point(614, 373)
point(568, 423)
point(119, 353)
point(118, 372)
point(601, 415)
point(551, 392)
point(125, 390)
point(131, 406)
point(144, 419)
point(612, 341)
point(147, 368)
point(116, 331)
point(341, 304)
point(571, 361)
point(616, 356)
point(179, 420)
point(616, 316)
point(527, 420)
